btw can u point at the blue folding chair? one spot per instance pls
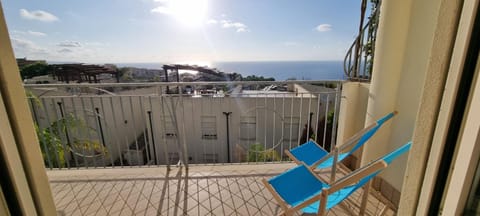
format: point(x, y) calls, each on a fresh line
point(315, 157)
point(300, 189)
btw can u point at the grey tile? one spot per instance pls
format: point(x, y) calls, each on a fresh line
point(208, 190)
point(395, 198)
point(376, 183)
point(386, 189)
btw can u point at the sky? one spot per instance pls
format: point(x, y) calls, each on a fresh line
point(175, 31)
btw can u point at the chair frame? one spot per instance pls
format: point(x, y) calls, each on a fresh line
point(343, 182)
point(336, 150)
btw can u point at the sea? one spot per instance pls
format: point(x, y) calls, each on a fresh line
point(280, 70)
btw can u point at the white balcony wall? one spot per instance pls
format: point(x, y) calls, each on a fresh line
point(402, 55)
point(351, 119)
point(121, 119)
point(271, 120)
point(268, 113)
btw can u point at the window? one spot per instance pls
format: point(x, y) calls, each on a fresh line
point(169, 129)
point(248, 128)
point(290, 128)
point(209, 127)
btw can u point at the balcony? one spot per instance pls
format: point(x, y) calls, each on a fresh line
point(426, 67)
point(181, 148)
point(200, 190)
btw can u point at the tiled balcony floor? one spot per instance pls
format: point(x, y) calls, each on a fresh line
point(203, 190)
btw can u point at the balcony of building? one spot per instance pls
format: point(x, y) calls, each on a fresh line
point(201, 190)
point(426, 67)
point(121, 149)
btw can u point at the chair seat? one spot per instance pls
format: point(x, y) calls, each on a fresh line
point(301, 185)
point(294, 191)
point(310, 152)
point(333, 200)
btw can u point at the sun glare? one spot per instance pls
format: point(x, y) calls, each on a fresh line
point(189, 12)
point(196, 62)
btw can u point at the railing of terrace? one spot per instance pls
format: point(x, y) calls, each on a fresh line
point(358, 62)
point(138, 124)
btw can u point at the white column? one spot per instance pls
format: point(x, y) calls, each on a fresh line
point(387, 68)
point(403, 55)
point(354, 101)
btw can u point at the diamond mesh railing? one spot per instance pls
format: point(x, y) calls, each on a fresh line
point(144, 124)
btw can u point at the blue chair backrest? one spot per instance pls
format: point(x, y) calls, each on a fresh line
point(395, 154)
point(309, 152)
point(371, 132)
point(389, 158)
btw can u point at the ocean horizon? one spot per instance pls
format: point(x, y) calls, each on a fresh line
point(280, 70)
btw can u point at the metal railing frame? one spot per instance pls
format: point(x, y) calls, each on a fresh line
point(169, 100)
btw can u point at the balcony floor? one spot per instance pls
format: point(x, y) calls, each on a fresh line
point(203, 190)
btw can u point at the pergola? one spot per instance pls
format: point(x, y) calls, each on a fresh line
point(176, 67)
point(81, 72)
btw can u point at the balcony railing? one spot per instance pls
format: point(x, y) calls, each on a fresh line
point(149, 124)
point(358, 62)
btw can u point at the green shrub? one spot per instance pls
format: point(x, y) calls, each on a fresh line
point(257, 153)
point(51, 146)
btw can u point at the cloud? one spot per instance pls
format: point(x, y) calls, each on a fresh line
point(238, 26)
point(212, 21)
point(166, 7)
point(162, 10)
point(69, 44)
point(35, 33)
point(21, 43)
point(80, 51)
point(80, 48)
point(323, 27)
point(17, 32)
point(29, 32)
point(65, 50)
point(38, 15)
point(24, 47)
point(242, 30)
point(95, 44)
point(230, 24)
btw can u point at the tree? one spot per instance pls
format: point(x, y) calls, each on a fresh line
point(125, 74)
point(35, 69)
point(258, 78)
point(50, 138)
point(53, 150)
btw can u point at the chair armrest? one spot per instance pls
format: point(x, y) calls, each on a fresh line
point(357, 175)
point(353, 139)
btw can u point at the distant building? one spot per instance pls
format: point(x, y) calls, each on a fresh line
point(22, 62)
